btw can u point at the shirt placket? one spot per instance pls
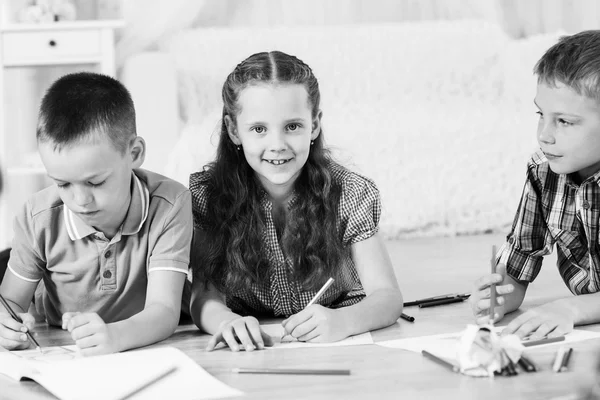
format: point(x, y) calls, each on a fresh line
point(108, 261)
point(581, 280)
point(280, 288)
point(591, 212)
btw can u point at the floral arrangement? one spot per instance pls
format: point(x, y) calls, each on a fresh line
point(45, 11)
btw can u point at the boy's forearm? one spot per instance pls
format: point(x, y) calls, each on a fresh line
point(379, 309)
point(153, 324)
point(584, 308)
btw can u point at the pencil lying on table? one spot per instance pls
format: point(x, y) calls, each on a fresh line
point(443, 297)
point(291, 371)
point(19, 320)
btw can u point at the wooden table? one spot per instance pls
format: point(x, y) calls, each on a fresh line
point(378, 372)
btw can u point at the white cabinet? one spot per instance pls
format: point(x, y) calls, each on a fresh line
point(77, 43)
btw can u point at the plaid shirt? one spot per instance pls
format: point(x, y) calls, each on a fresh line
point(359, 211)
point(554, 209)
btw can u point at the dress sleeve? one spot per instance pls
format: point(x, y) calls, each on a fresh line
point(360, 209)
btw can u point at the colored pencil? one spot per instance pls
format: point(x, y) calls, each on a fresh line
point(493, 286)
point(530, 343)
point(436, 298)
point(441, 302)
point(440, 361)
point(407, 317)
point(291, 371)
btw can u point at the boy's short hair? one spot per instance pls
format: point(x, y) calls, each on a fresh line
point(80, 105)
point(575, 62)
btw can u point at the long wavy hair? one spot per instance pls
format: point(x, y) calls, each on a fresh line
point(234, 253)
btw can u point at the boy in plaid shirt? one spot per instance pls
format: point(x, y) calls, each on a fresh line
point(560, 203)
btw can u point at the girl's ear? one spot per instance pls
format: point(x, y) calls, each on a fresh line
point(316, 126)
point(137, 151)
point(231, 131)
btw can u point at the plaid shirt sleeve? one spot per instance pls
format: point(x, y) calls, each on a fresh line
point(530, 239)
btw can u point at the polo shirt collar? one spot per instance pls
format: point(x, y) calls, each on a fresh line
point(134, 219)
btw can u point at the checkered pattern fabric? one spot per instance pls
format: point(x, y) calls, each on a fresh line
point(359, 212)
point(554, 209)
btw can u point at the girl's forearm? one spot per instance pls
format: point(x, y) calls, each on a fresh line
point(379, 309)
point(210, 314)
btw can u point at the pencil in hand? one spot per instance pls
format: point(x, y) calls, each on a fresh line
point(493, 286)
point(314, 300)
point(14, 316)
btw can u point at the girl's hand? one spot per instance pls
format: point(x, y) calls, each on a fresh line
point(549, 320)
point(91, 334)
point(12, 333)
point(244, 331)
point(316, 324)
point(480, 297)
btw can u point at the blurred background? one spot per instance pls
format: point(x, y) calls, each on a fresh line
point(433, 99)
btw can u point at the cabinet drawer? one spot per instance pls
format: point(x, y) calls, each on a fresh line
point(53, 47)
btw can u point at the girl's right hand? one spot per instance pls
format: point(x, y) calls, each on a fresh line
point(480, 298)
point(12, 333)
point(242, 331)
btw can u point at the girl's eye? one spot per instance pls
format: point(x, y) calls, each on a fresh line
point(62, 185)
point(259, 129)
point(96, 184)
point(293, 127)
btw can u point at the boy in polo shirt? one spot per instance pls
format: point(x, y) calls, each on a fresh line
point(105, 249)
point(560, 203)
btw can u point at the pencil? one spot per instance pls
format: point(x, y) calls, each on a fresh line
point(19, 320)
point(320, 292)
point(527, 364)
point(561, 362)
point(291, 371)
point(149, 382)
point(441, 302)
point(315, 299)
point(436, 298)
point(530, 343)
point(440, 361)
point(407, 317)
point(493, 286)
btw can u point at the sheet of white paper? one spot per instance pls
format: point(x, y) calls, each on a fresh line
point(276, 332)
point(114, 376)
point(444, 345)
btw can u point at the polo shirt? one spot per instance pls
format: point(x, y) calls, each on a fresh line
point(79, 269)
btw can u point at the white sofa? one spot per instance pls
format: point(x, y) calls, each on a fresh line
point(439, 114)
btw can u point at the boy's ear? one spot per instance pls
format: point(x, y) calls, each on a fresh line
point(316, 126)
point(231, 131)
point(137, 151)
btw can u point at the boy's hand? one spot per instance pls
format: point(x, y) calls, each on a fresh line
point(549, 320)
point(316, 324)
point(244, 331)
point(91, 334)
point(12, 333)
point(480, 298)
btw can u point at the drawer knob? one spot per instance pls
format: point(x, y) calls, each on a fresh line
point(52, 43)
